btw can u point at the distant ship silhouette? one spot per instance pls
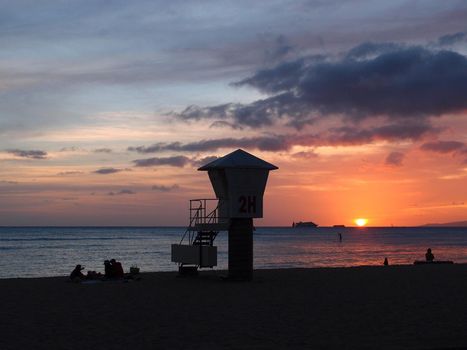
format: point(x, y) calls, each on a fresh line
point(304, 224)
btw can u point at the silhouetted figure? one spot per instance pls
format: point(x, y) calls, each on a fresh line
point(107, 269)
point(386, 262)
point(340, 237)
point(93, 275)
point(429, 255)
point(116, 268)
point(76, 273)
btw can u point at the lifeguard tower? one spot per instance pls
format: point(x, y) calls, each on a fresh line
point(239, 181)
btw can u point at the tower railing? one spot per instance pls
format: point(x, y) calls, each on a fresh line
point(202, 212)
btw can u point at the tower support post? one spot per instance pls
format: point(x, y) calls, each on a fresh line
point(241, 249)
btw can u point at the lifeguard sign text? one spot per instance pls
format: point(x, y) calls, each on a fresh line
point(246, 192)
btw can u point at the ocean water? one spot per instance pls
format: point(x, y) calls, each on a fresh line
point(54, 251)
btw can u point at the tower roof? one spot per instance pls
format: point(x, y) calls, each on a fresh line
point(239, 159)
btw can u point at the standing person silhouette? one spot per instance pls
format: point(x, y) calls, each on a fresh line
point(429, 255)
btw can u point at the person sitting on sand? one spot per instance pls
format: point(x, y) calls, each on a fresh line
point(429, 255)
point(93, 275)
point(107, 269)
point(76, 273)
point(117, 269)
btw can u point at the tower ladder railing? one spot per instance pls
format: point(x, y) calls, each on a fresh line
point(199, 215)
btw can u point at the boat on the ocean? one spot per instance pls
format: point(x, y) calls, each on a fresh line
point(304, 224)
point(338, 226)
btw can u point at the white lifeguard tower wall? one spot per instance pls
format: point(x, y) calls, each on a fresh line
point(239, 181)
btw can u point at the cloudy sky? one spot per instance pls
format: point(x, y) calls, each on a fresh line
point(107, 108)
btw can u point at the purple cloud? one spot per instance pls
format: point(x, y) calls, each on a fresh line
point(121, 192)
point(31, 154)
point(397, 82)
point(163, 188)
point(444, 146)
point(395, 158)
point(103, 150)
point(72, 172)
point(452, 39)
point(106, 171)
point(176, 161)
point(273, 143)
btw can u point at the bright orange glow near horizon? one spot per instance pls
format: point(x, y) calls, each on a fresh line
point(113, 136)
point(361, 222)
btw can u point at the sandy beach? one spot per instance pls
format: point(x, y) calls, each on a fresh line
point(395, 307)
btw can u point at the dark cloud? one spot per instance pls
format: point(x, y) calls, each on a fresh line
point(124, 191)
point(279, 49)
point(31, 154)
point(203, 161)
point(176, 161)
point(264, 143)
point(8, 182)
point(395, 158)
point(103, 150)
point(163, 188)
point(391, 132)
point(370, 49)
point(260, 113)
point(107, 47)
point(283, 77)
point(69, 149)
point(349, 135)
point(106, 171)
point(225, 124)
point(451, 39)
point(445, 147)
point(393, 81)
point(305, 155)
point(200, 146)
point(73, 172)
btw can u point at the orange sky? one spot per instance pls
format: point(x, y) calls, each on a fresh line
point(106, 113)
point(334, 186)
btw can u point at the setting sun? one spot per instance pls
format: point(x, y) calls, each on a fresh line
point(361, 222)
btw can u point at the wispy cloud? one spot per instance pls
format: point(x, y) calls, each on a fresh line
point(225, 124)
point(452, 39)
point(176, 161)
point(102, 150)
point(164, 188)
point(305, 155)
point(71, 172)
point(444, 146)
point(31, 154)
point(8, 182)
point(106, 171)
point(395, 158)
point(70, 149)
point(203, 161)
point(121, 192)
point(455, 148)
point(337, 136)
